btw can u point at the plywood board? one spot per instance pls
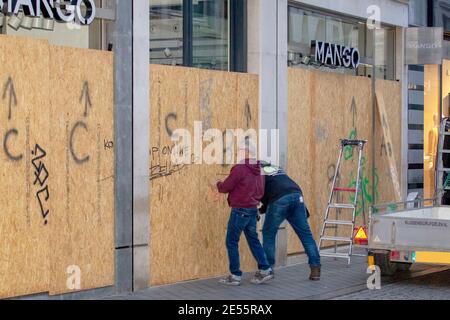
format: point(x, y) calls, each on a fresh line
point(387, 136)
point(300, 116)
point(174, 188)
point(24, 118)
point(391, 93)
point(82, 140)
point(333, 107)
point(185, 202)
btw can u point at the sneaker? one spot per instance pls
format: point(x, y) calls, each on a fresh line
point(263, 277)
point(231, 280)
point(315, 274)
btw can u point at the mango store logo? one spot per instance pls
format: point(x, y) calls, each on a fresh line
point(335, 55)
point(82, 11)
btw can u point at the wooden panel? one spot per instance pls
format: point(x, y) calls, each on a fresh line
point(332, 107)
point(24, 118)
point(184, 200)
point(391, 93)
point(174, 189)
point(299, 131)
point(218, 100)
point(82, 118)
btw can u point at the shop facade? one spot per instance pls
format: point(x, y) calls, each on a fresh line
point(201, 46)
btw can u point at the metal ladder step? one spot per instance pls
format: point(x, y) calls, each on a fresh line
point(444, 151)
point(335, 255)
point(337, 239)
point(444, 133)
point(343, 206)
point(443, 169)
point(340, 222)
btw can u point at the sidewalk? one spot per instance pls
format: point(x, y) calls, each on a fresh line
point(291, 283)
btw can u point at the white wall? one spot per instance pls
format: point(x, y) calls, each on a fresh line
point(394, 12)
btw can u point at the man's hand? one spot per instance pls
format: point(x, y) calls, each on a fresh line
point(213, 194)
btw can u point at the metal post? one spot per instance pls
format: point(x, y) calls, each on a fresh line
point(374, 114)
point(123, 102)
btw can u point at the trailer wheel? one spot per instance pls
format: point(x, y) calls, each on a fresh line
point(404, 267)
point(383, 260)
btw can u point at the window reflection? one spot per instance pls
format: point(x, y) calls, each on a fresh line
point(205, 42)
point(306, 26)
point(211, 34)
point(166, 32)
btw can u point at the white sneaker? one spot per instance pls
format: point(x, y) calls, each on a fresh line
point(263, 277)
point(231, 280)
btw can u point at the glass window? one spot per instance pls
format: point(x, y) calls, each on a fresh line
point(305, 26)
point(211, 34)
point(166, 32)
point(206, 41)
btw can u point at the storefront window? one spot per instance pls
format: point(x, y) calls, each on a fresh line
point(166, 32)
point(211, 34)
point(306, 26)
point(65, 34)
point(190, 33)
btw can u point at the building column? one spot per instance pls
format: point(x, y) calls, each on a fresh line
point(131, 86)
point(123, 100)
point(267, 56)
point(141, 143)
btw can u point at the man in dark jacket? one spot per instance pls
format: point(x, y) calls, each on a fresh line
point(283, 200)
point(245, 188)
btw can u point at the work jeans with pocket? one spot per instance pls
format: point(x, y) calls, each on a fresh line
point(244, 220)
point(291, 208)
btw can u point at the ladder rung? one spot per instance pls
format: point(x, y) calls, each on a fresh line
point(444, 151)
point(444, 169)
point(337, 239)
point(343, 206)
point(445, 133)
point(335, 255)
point(339, 222)
point(346, 189)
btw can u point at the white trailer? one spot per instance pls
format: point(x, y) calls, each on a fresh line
point(400, 234)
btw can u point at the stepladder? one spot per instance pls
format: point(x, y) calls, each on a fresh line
point(443, 164)
point(344, 228)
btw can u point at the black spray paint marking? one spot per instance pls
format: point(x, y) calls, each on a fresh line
point(76, 158)
point(41, 176)
point(171, 116)
point(354, 112)
point(108, 145)
point(160, 171)
point(248, 114)
point(8, 135)
point(87, 98)
point(383, 148)
point(9, 87)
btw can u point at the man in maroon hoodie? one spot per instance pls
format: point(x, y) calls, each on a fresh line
point(245, 188)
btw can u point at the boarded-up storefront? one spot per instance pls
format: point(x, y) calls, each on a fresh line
point(324, 108)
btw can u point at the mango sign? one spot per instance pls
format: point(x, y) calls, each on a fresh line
point(60, 10)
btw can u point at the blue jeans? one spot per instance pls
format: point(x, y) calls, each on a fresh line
point(244, 220)
point(292, 209)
